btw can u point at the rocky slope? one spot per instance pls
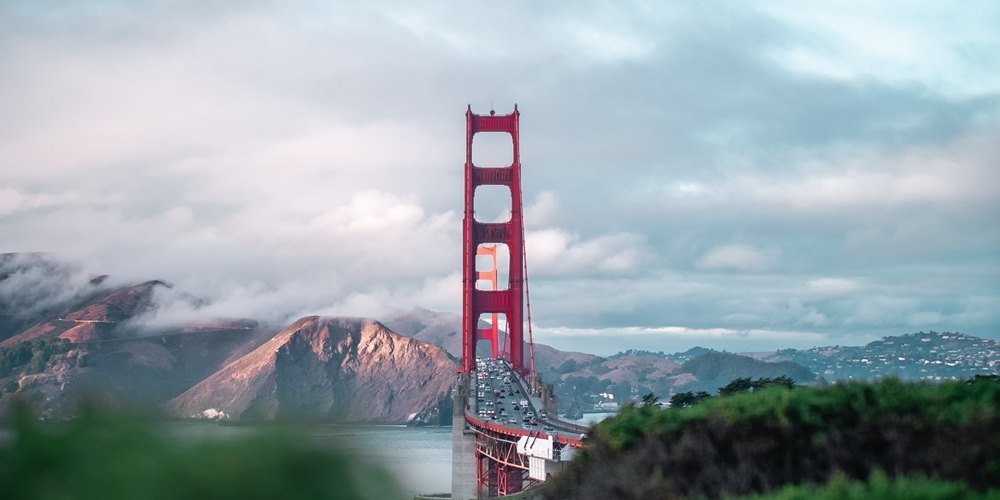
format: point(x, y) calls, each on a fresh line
point(34, 287)
point(96, 318)
point(332, 369)
point(441, 329)
point(67, 336)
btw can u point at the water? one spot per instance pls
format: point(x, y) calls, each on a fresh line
point(591, 418)
point(419, 457)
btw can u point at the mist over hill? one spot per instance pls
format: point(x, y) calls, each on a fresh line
point(96, 339)
point(66, 335)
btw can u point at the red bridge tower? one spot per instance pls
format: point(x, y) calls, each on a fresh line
point(509, 302)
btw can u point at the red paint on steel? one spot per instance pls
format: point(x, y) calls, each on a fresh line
point(493, 332)
point(509, 302)
point(516, 433)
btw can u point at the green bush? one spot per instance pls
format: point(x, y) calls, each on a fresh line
point(878, 487)
point(96, 457)
point(32, 355)
point(13, 357)
point(838, 405)
point(764, 440)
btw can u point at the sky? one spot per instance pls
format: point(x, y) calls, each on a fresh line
point(726, 174)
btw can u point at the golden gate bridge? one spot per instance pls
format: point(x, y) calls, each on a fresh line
point(506, 435)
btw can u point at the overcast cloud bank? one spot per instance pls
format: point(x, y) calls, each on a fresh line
point(803, 174)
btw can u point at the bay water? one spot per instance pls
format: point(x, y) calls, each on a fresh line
point(419, 457)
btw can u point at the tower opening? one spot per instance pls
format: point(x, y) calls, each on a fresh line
point(493, 149)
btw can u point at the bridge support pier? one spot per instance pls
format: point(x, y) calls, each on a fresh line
point(464, 469)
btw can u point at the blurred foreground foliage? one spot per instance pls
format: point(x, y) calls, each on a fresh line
point(878, 486)
point(764, 440)
point(97, 456)
point(842, 405)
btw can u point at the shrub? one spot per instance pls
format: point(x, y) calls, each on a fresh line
point(32, 355)
point(878, 486)
point(99, 457)
point(766, 439)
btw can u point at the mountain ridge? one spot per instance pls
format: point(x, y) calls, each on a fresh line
point(66, 337)
point(338, 369)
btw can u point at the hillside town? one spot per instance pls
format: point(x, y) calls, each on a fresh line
point(916, 356)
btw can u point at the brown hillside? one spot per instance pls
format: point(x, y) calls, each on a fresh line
point(638, 369)
point(100, 314)
point(441, 329)
point(335, 369)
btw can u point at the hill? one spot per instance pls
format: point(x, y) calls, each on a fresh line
point(69, 338)
point(716, 369)
point(330, 369)
point(441, 329)
point(96, 318)
point(916, 356)
point(34, 286)
point(65, 336)
point(580, 378)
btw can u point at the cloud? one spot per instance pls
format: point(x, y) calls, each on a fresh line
point(921, 176)
point(930, 45)
point(557, 252)
point(793, 167)
point(370, 212)
point(674, 338)
point(10, 201)
point(736, 257)
point(680, 331)
point(832, 286)
point(541, 211)
point(31, 284)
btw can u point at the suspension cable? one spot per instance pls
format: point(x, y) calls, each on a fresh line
point(527, 294)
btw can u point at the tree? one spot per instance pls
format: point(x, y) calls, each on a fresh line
point(682, 399)
point(570, 365)
point(985, 379)
point(688, 399)
point(745, 384)
point(783, 381)
point(14, 356)
point(736, 386)
point(650, 400)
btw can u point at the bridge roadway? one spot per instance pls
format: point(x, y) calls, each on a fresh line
point(499, 400)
